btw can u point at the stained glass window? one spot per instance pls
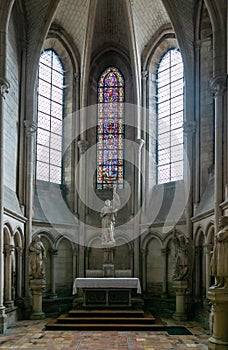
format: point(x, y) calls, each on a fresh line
point(170, 117)
point(110, 129)
point(50, 114)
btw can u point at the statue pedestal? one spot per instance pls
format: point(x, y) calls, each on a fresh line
point(180, 289)
point(108, 266)
point(219, 300)
point(108, 270)
point(37, 286)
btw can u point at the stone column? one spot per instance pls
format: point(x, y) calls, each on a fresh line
point(82, 146)
point(198, 251)
point(180, 288)
point(218, 85)
point(4, 88)
point(30, 130)
point(144, 269)
point(208, 253)
point(8, 275)
point(37, 287)
point(53, 254)
point(165, 252)
point(137, 196)
point(219, 300)
point(19, 273)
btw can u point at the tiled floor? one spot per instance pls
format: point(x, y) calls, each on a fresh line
point(31, 335)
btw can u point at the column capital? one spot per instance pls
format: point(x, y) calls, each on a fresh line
point(83, 146)
point(145, 74)
point(218, 84)
point(53, 251)
point(8, 249)
point(144, 251)
point(30, 127)
point(141, 143)
point(4, 87)
point(190, 127)
point(77, 76)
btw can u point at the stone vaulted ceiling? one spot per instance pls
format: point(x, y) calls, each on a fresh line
point(112, 22)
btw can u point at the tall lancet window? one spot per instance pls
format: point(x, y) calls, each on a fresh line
point(50, 116)
point(110, 130)
point(170, 117)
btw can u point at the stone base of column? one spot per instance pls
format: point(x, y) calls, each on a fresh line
point(180, 289)
point(219, 300)
point(3, 321)
point(37, 287)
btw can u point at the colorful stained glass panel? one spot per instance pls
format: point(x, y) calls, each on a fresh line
point(110, 129)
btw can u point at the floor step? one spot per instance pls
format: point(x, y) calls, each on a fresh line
point(104, 313)
point(105, 326)
point(105, 320)
point(110, 320)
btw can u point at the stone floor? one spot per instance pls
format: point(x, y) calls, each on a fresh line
point(31, 335)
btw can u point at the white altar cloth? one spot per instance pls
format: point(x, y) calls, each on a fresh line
point(106, 283)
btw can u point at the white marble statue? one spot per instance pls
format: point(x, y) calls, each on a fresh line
point(181, 269)
point(108, 215)
point(37, 254)
point(219, 261)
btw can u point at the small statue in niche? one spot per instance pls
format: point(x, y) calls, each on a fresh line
point(37, 254)
point(219, 260)
point(108, 215)
point(182, 254)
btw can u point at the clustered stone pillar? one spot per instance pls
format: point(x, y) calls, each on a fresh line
point(19, 273)
point(30, 130)
point(140, 143)
point(53, 254)
point(165, 252)
point(8, 275)
point(82, 146)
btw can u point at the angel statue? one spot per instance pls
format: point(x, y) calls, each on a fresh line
point(183, 254)
point(108, 216)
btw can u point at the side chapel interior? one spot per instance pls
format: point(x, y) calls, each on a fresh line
point(64, 66)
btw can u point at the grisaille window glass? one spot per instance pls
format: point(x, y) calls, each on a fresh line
point(50, 116)
point(170, 85)
point(110, 129)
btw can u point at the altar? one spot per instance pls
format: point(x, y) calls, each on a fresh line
point(107, 292)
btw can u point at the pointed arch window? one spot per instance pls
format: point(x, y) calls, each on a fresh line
point(170, 88)
point(110, 130)
point(50, 117)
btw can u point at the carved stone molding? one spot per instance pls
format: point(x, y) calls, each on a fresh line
point(53, 251)
point(83, 146)
point(8, 249)
point(141, 143)
point(4, 87)
point(189, 127)
point(218, 85)
point(30, 127)
point(145, 74)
